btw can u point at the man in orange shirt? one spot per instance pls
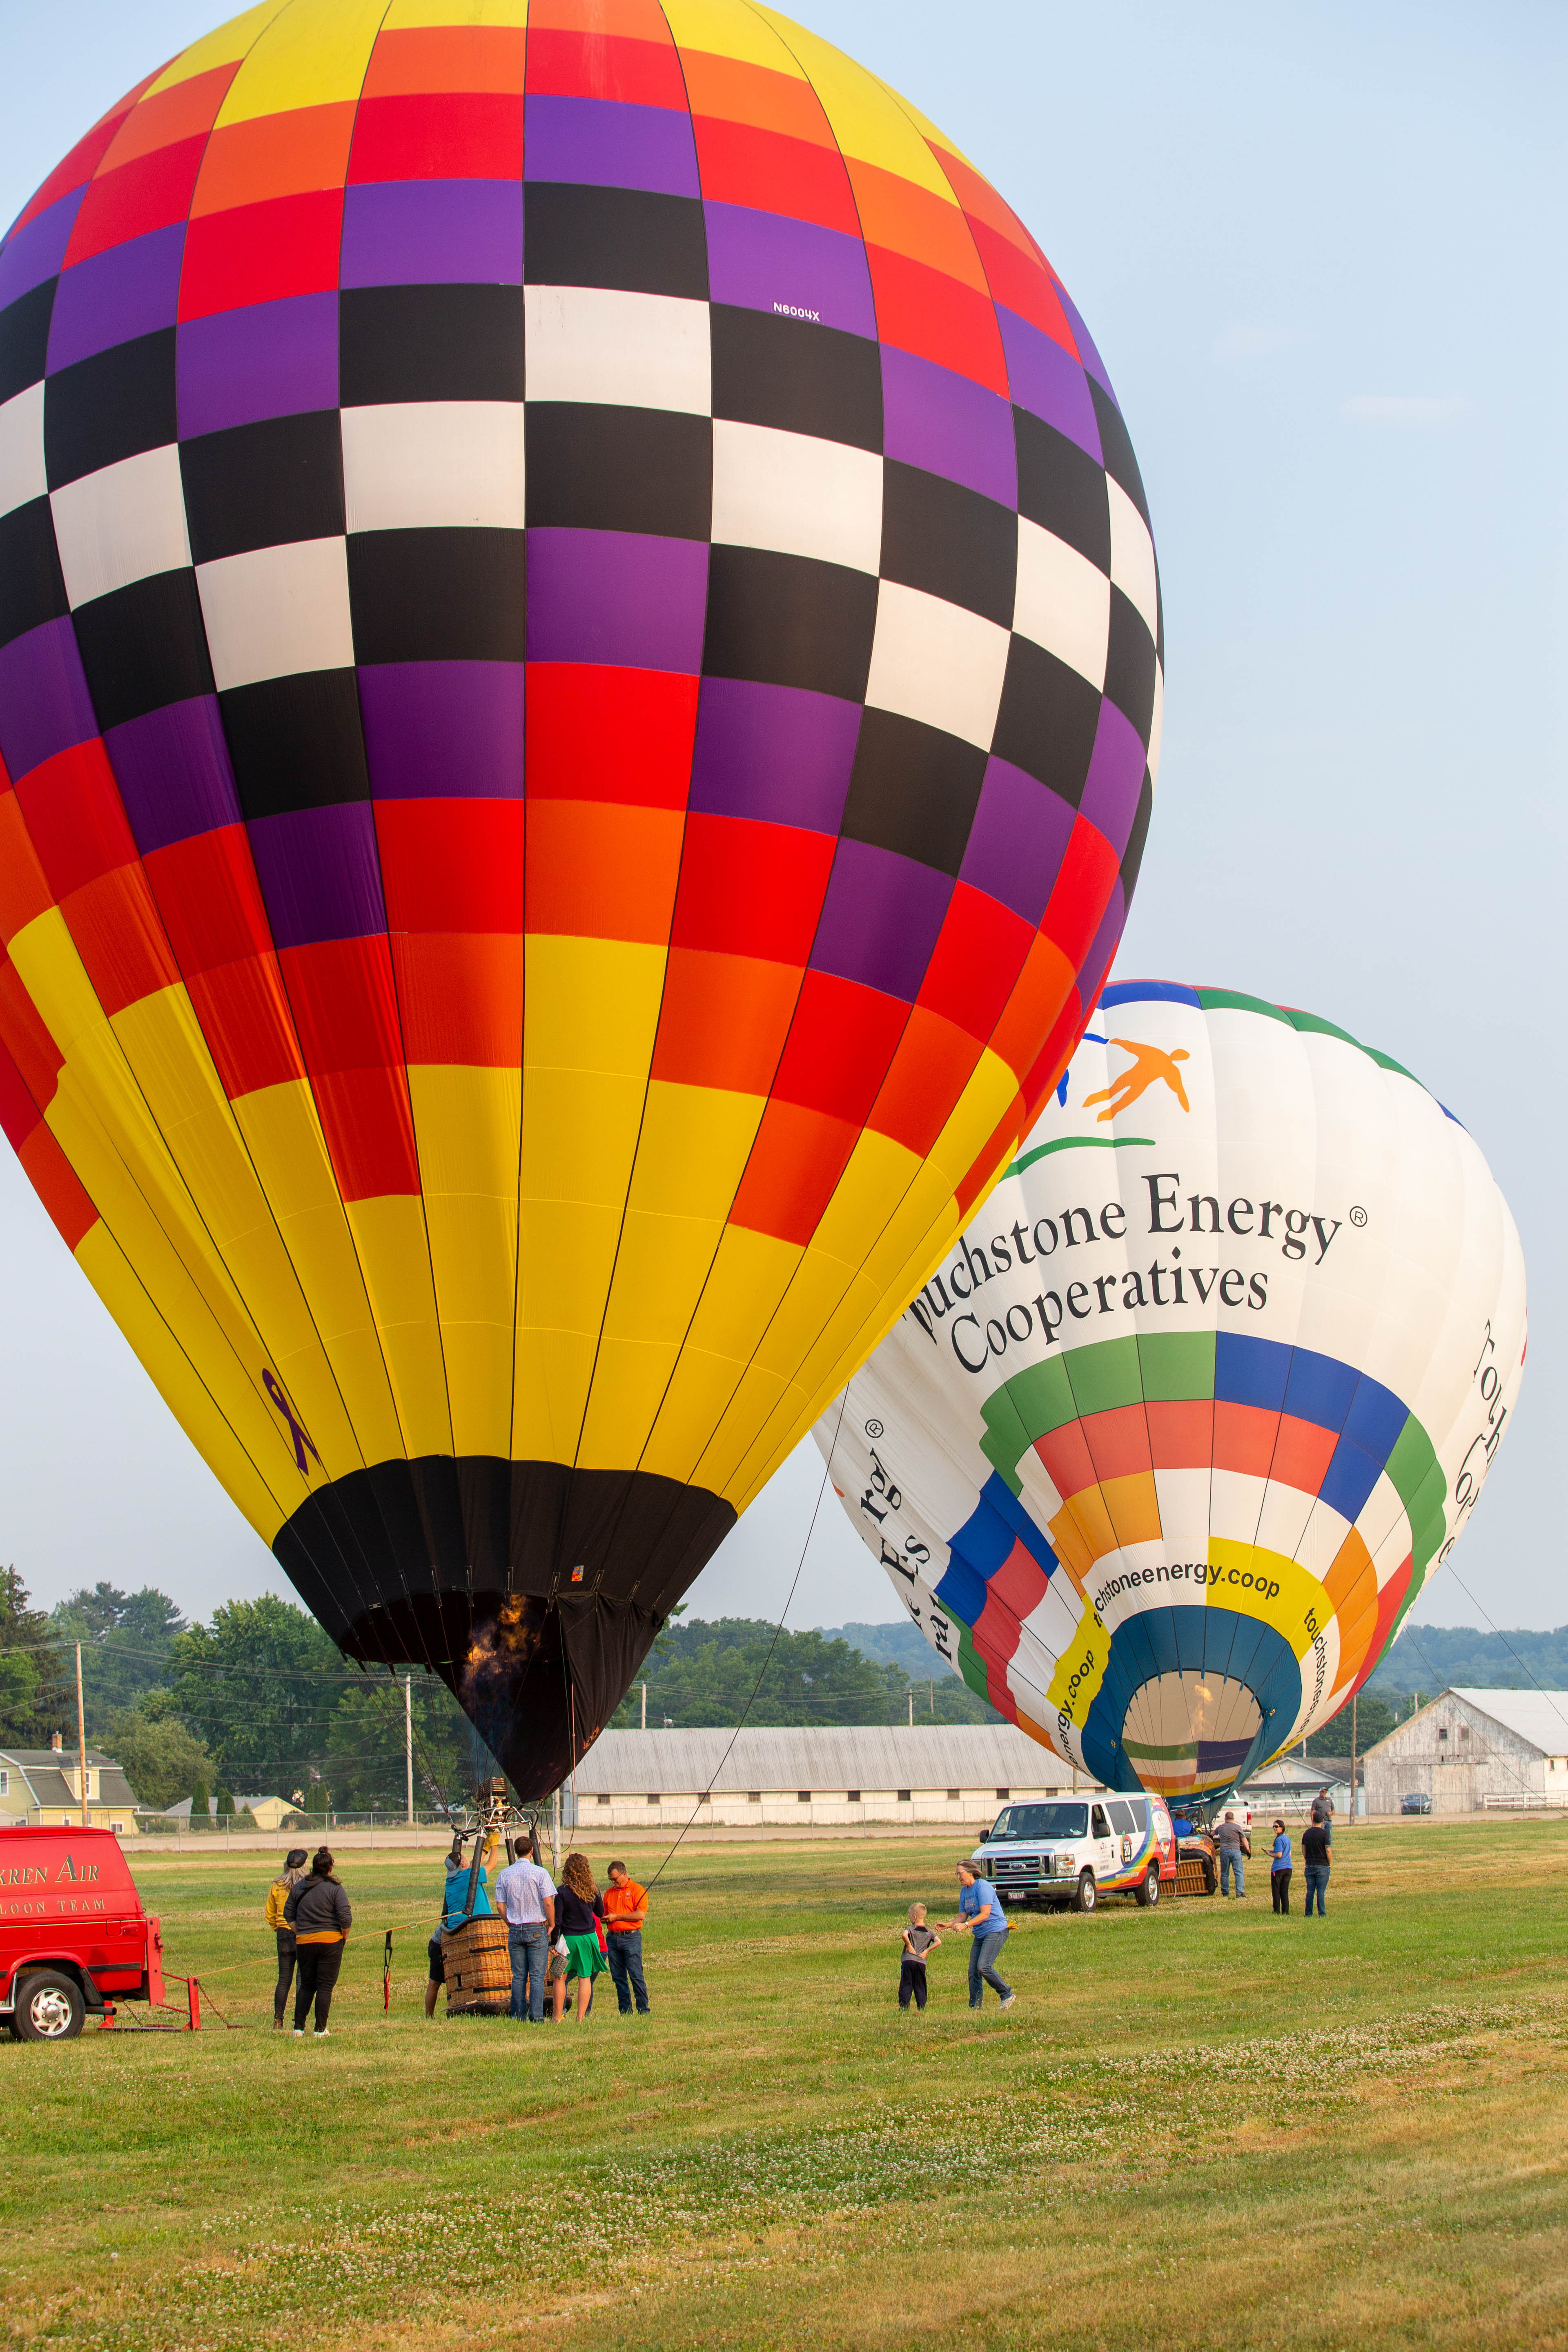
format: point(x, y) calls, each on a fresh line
point(625, 1909)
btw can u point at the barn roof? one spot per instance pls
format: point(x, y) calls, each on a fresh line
point(955, 1756)
point(1540, 1717)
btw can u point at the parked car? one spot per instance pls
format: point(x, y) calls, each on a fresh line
point(1074, 1850)
point(1416, 1804)
point(74, 1938)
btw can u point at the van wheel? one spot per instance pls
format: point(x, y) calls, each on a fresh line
point(1087, 1898)
point(1148, 1891)
point(49, 2008)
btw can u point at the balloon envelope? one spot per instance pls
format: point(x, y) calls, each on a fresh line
point(1166, 1447)
point(579, 690)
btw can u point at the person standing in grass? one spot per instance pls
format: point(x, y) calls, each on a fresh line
point(980, 1910)
point(1234, 1845)
point(919, 1941)
point(526, 1894)
point(579, 1906)
point(626, 1912)
point(278, 1894)
point(318, 1911)
point(1279, 1863)
point(1317, 1854)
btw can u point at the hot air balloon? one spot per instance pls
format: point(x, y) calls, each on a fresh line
point(1172, 1438)
point(580, 676)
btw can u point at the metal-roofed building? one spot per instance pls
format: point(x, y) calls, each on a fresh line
point(812, 1779)
point(40, 1788)
point(1289, 1785)
point(1471, 1750)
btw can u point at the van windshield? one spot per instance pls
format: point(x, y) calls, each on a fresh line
point(1041, 1822)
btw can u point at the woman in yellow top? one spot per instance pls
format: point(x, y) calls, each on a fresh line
point(278, 1894)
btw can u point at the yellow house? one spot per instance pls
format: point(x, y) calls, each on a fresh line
point(267, 1812)
point(40, 1788)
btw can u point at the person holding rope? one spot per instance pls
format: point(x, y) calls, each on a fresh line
point(278, 1894)
point(318, 1911)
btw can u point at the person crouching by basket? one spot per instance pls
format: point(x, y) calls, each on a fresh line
point(579, 1908)
point(278, 1894)
point(318, 1911)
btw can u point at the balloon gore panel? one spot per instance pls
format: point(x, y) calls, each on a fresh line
point(579, 689)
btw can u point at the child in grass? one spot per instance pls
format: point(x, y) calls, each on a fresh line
point(919, 1940)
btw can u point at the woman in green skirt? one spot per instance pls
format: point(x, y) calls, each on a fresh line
point(579, 1905)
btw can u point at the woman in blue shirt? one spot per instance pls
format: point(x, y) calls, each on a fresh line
point(980, 1910)
point(1280, 1869)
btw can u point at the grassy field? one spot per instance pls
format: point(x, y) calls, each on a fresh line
point(1202, 2126)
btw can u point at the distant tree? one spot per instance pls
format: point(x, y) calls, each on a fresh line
point(36, 1694)
point(126, 1640)
point(1431, 1657)
point(366, 1751)
point(705, 1673)
point(1375, 1720)
point(260, 1686)
point(224, 1803)
point(159, 1756)
point(199, 1798)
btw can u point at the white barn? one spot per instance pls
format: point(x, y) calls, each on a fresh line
point(956, 1773)
point(1469, 1749)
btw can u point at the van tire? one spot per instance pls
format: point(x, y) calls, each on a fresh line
point(1088, 1896)
point(1149, 1888)
point(49, 2008)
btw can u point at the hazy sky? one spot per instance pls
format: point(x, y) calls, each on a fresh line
point(1321, 252)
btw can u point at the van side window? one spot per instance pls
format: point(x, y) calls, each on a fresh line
point(1124, 1821)
point(1101, 1826)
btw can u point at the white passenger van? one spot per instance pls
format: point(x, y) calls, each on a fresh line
point(1073, 1850)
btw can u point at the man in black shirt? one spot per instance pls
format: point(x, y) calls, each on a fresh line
point(1317, 1854)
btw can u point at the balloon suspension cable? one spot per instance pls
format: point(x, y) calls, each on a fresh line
point(773, 1645)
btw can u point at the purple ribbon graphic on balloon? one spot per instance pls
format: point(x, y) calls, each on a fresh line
point(295, 1429)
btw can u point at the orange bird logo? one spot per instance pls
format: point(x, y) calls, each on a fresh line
point(1149, 1063)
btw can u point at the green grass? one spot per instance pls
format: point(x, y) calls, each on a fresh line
point(1202, 2126)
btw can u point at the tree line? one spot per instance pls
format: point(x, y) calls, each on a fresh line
point(260, 1702)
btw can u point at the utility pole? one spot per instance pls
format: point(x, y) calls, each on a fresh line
point(81, 1735)
point(409, 1741)
point(644, 1706)
point(931, 1694)
point(555, 1835)
point(1352, 1758)
point(912, 1707)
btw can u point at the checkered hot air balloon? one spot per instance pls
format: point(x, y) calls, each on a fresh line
point(1172, 1437)
point(579, 692)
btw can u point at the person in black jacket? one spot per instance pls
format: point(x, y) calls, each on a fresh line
point(318, 1911)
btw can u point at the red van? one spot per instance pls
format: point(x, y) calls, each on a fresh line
point(74, 1938)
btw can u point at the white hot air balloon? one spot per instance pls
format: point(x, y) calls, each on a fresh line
point(1169, 1443)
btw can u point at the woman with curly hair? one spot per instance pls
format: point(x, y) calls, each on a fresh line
point(579, 1905)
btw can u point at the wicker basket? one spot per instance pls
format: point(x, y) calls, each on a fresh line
point(1197, 1871)
point(478, 1962)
